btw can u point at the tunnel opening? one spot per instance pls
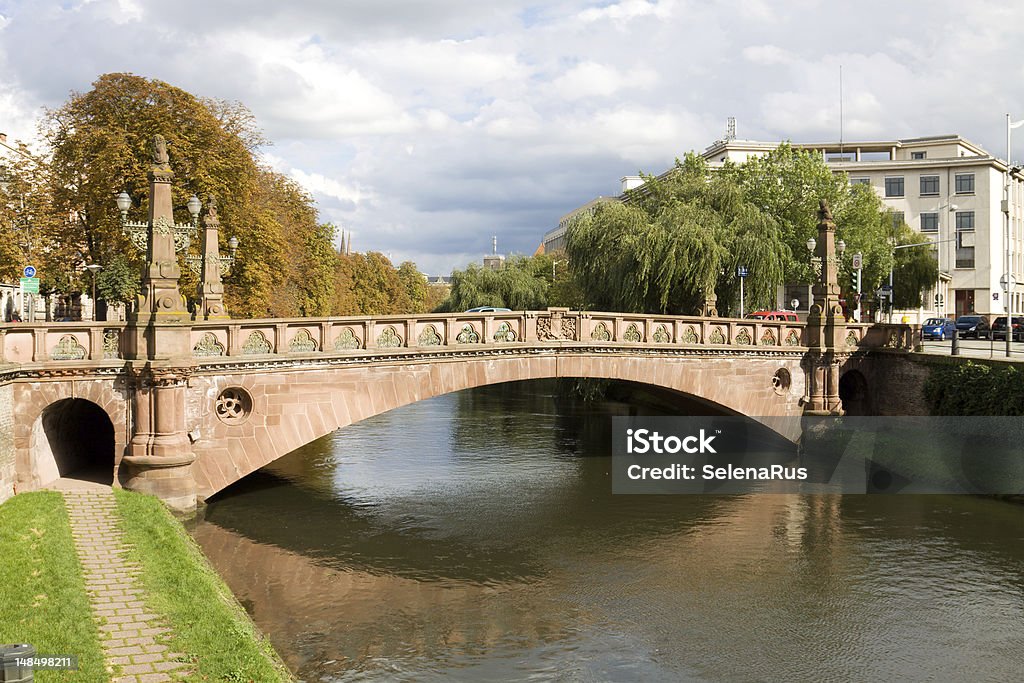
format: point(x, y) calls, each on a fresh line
point(74, 439)
point(853, 392)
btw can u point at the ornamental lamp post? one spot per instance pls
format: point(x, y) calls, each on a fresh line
point(94, 268)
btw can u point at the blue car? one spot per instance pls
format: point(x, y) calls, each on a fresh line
point(938, 328)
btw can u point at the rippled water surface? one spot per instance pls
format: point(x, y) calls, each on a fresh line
point(474, 537)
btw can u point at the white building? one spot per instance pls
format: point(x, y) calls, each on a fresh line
point(944, 187)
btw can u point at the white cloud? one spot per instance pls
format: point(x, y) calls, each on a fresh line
point(767, 55)
point(629, 9)
point(320, 184)
point(591, 79)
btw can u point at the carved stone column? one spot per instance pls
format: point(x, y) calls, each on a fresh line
point(159, 458)
point(158, 352)
point(826, 326)
point(211, 288)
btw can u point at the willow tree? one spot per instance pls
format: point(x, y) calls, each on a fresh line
point(521, 284)
point(674, 243)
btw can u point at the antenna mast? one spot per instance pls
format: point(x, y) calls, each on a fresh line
point(840, 108)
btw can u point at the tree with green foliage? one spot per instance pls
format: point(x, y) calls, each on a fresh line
point(677, 241)
point(118, 282)
point(368, 284)
point(415, 285)
point(521, 284)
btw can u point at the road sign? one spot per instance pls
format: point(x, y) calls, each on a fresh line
point(30, 285)
point(886, 288)
point(856, 262)
point(1007, 278)
point(30, 271)
point(742, 271)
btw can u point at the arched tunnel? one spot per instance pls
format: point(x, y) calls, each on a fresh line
point(74, 438)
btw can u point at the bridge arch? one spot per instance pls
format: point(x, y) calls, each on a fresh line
point(77, 429)
point(289, 408)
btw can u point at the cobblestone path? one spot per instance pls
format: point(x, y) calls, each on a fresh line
point(129, 633)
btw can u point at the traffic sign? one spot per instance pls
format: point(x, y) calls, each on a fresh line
point(857, 260)
point(886, 288)
point(30, 271)
point(1007, 278)
point(30, 285)
point(742, 271)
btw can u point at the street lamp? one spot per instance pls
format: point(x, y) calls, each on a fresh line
point(555, 263)
point(138, 232)
point(94, 268)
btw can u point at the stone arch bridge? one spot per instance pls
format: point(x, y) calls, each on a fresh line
point(230, 396)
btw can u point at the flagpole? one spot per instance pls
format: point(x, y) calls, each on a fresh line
point(1008, 275)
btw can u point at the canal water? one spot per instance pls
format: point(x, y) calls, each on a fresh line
point(474, 537)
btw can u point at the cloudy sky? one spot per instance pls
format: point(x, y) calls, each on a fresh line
point(425, 127)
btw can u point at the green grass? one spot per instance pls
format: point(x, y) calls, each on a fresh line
point(208, 625)
point(42, 593)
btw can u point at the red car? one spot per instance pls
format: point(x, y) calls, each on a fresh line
point(786, 316)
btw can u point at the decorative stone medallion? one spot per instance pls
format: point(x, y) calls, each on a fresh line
point(743, 338)
point(346, 341)
point(208, 346)
point(234, 405)
point(632, 334)
point(429, 337)
point(504, 333)
point(690, 335)
point(256, 344)
point(782, 381)
point(851, 338)
point(717, 336)
point(792, 339)
point(111, 344)
point(389, 339)
point(302, 342)
point(68, 348)
point(601, 333)
point(661, 335)
point(468, 335)
point(768, 338)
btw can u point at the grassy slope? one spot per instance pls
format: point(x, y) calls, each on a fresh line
point(208, 624)
point(42, 593)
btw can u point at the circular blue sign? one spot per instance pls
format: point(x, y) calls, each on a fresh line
point(30, 271)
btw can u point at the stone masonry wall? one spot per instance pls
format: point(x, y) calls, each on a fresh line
point(7, 473)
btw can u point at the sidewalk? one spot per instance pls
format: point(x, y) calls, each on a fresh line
point(129, 633)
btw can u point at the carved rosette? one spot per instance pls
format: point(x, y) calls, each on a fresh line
point(632, 334)
point(768, 338)
point(208, 346)
point(302, 342)
point(792, 339)
point(504, 333)
point(389, 339)
point(743, 338)
point(429, 337)
point(601, 333)
point(468, 335)
point(690, 336)
point(661, 335)
point(717, 336)
point(68, 348)
point(346, 341)
point(256, 344)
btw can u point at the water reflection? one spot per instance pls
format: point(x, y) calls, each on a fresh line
point(474, 537)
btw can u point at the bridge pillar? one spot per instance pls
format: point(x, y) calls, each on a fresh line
point(826, 326)
point(159, 457)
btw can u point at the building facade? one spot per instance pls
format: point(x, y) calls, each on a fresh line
point(944, 187)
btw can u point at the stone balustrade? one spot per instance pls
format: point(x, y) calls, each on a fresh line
point(92, 342)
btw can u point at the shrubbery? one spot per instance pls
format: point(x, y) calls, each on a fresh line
point(975, 389)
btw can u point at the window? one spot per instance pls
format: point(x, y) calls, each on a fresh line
point(894, 187)
point(859, 181)
point(897, 219)
point(964, 253)
point(965, 183)
point(929, 222)
point(929, 185)
point(964, 221)
point(918, 155)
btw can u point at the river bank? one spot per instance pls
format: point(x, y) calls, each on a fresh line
point(63, 599)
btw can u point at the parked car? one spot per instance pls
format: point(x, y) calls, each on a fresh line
point(972, 326)
point(999, 328)
point(488, 309)
point(938, 328)
point(787, 316)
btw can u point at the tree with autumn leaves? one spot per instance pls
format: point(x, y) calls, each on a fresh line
point(99, 143)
